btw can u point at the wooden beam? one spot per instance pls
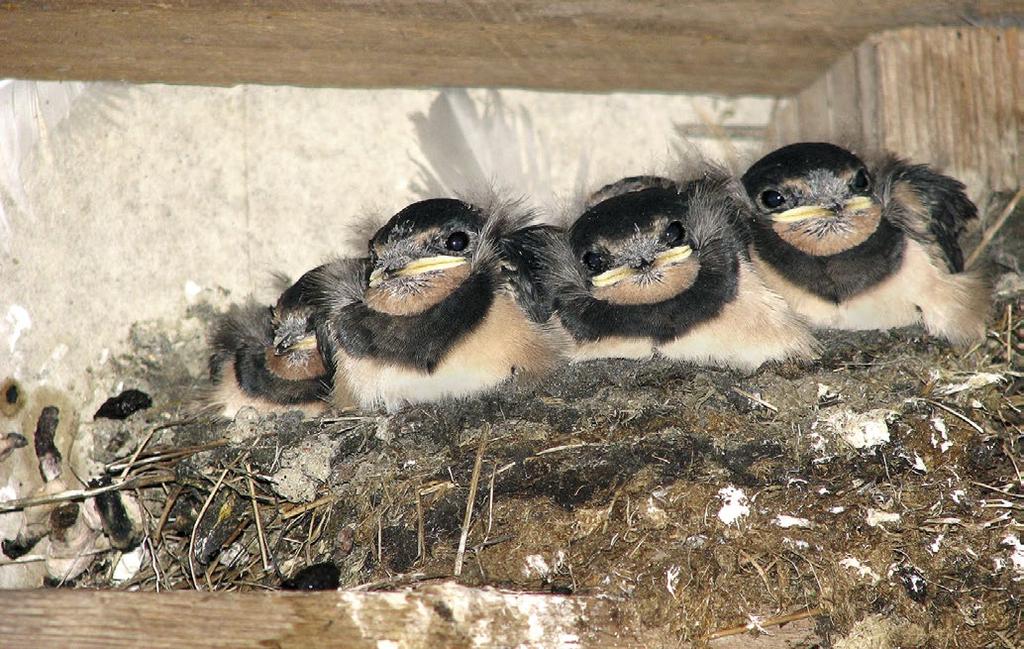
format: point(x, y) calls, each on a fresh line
point(948, 96)
point(727, 46)
point(446, 615)
point(439, 615)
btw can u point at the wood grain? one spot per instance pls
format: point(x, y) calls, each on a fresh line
point(446, 615)
point(732, 46)
point(441, 615)
point(952, 97)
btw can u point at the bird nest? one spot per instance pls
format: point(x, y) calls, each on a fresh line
point(880, 484)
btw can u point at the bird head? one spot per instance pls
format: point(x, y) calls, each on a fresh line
point(292, 320)
point(636, 247)
point(815, 196)
point(422, 255)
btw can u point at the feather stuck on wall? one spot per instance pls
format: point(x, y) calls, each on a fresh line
point(29, 112)
point(468, 145)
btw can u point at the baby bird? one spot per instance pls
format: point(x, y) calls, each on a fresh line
point(268, 358)
point(858, 246)
point(450, 303)
point(657, 266)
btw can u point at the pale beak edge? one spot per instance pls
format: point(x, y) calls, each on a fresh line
point(859, 204)
point(424, 265)
point(619, 273)
point(804, 212)
point(302, 344)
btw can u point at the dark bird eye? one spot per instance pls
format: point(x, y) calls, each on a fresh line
point(861, 182)
point(772, 199)
point(674, 232)
point(457, 241)
point(594, 261)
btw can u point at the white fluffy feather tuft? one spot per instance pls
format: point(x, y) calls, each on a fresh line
point(29, 111)
point(469, 146)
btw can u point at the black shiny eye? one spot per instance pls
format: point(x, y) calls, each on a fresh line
point(772, 199)
point(457, 241)
point(594, 261)
point(861, 182)
point(674, 232)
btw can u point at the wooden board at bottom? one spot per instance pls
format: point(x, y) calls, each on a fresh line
point(438, 615)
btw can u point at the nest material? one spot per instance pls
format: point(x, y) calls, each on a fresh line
point(701, 501)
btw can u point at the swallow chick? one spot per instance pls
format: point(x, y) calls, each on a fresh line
point(449, 304)
point(268, 357)
point(858, 246)
point(658, 267)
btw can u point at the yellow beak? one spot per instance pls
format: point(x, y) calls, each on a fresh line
point(672, 256)
point(307, 342)
point(612, 276)
point(424, 265)
point(859, 204)
point(804, 212)
point(619, 273)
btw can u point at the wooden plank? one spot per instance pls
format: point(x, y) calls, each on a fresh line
point(784, 124)
point(956, 97)
point(842, 90)
point(866, 63)
point(446, 615)
point(952, 97)
point(729, 46)
point(439, 615)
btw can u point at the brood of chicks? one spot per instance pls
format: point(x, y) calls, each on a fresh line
point(454, 299)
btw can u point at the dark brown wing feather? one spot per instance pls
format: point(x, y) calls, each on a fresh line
point(927, 205)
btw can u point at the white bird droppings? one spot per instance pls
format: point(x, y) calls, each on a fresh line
point(735, 505)
point(128, 565)
point(919, 464)
point(940, 438)
point(17, 321)
point(785, 521)
point(862, 570)
point(1016, 556)
point(877, 517)
point(860, 430)
point(537, 566)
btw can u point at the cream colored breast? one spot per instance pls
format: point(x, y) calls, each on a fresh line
point(506, 341)
point(610, 347)
point(227, 398)
point(921, 289)
point(755, 327)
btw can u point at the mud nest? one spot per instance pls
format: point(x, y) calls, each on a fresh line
point(883, 479)
point(878, 489)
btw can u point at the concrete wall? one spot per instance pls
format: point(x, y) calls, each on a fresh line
point(145, 198)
